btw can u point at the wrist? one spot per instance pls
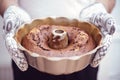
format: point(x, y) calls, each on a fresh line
point(92, 10)
point(13, 17)
point(4, 4)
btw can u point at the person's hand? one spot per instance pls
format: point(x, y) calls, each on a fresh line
point(13, 18)
point(97, 15)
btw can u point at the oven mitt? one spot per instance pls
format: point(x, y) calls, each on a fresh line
point(13, 18)
point(96, 14)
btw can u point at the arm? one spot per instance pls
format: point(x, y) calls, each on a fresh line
point(108, 4)
point(96, 14)
point(4, 4)
point(13, 16)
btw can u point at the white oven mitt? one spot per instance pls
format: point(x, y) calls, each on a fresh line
point(13, 18)
point(97, 15)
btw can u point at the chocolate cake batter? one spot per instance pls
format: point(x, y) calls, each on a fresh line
point(39, 39)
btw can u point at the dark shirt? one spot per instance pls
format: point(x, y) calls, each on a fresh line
point(88, 73)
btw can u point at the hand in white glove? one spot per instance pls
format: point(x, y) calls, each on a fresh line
point(97, 15)
point(13, 18)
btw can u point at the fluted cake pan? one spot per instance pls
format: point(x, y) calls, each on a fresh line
point(58, 65)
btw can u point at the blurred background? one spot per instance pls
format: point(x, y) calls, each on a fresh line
point(112, 59)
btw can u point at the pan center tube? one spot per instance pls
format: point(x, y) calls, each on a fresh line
point(59, 39)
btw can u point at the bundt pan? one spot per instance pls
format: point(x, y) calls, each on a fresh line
point(59, 65)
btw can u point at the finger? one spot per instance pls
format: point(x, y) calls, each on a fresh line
point(16, 54)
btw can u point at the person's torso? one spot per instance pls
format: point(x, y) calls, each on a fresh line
point(54, 8)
